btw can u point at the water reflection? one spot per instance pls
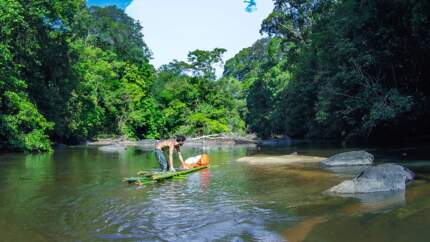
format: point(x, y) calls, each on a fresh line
point(188, 210)
point(77, 195)
point(375, 202)
point(345, 170)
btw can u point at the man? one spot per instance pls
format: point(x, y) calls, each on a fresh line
point(170, 145)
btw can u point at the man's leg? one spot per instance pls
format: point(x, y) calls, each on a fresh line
point(161, 159)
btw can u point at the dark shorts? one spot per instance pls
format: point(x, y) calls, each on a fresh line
point(159, 155)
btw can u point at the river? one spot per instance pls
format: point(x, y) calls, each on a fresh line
point(76, 194)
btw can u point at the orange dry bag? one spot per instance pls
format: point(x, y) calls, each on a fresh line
point(204, 160)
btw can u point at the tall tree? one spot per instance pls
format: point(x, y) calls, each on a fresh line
point(193, 100)
point(34, 35)
point(112, 29)
point(356, 66)
point(262, 70)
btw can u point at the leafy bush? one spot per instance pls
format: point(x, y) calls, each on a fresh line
point(22, 127)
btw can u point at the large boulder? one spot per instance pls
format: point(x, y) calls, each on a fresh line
point(381, 178)
point(352, 158)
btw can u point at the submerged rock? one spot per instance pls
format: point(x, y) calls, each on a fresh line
point(352, 158)
point(282, 159)
point(346, 170)
point(381, 178)
point(374, 202)
point(378, 199)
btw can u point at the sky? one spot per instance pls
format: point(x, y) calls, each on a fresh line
point(120, 3)
point(172, 28)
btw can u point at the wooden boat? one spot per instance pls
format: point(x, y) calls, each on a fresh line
point(150, 177)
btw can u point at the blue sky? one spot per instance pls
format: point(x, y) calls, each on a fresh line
point(172, 28)
point(120, 3)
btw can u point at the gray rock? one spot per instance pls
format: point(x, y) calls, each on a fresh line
point(113, 148)
point(352, 158)
point(280, 159)
point(381, 178)
point(350, 171)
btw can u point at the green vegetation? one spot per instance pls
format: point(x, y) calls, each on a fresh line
point(347, 70)
point(193, 101)
point(69, 73)
point(261, 70)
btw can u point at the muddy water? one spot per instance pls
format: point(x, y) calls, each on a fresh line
point(77, 195)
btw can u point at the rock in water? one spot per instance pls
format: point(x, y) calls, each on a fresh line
point(350, 171)
point(381, 178)
point(352, 158)
point(113, 148)
point(282, 159)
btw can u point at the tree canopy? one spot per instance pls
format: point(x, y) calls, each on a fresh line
point(356, 69)
point(70, 73)
point(349, 70)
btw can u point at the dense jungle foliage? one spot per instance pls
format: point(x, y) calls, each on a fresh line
point(353, 70)
point(343, 69)
point(69, 73)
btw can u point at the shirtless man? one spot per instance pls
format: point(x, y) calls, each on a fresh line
point(172, 144)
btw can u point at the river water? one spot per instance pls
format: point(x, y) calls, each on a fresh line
point(76, 194)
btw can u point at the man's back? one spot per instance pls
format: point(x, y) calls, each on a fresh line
point(166, 143)
point(171, 144)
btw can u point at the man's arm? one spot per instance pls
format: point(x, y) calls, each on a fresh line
point(180, 157)
point(171, 147)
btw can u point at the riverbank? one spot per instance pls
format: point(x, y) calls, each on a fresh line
point(215, 140)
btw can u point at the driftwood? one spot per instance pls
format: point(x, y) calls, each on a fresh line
point(212, 136)
point(224, 139)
